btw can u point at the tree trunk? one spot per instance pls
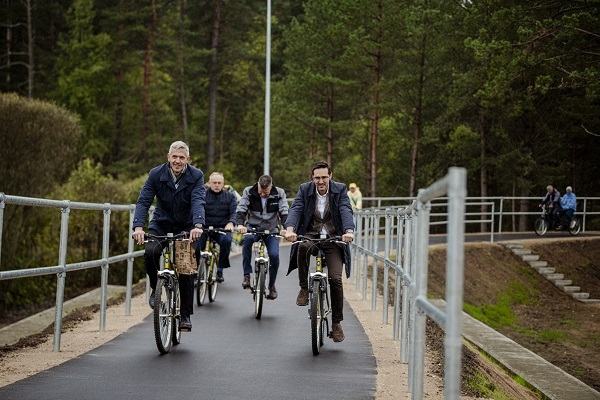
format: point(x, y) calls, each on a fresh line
point(31, 63)
point(147, 72)
point(330, 126)
point(418, 124)
point(180, 59)
point(375, 113)
point(8, 44)
point(212, 95)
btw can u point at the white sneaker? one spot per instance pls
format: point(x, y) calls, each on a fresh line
point(572, 224)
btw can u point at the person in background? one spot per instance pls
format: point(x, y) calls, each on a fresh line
point(230, 189)
point(552, 201)
point(220, 213)
point(322, 206)
point(355, 196)
point(568, 204)
point(262, 207)
point(179, 191)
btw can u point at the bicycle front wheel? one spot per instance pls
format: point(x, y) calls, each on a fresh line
point(259, 289)
point(213, 282)
point(202, 285)
point(541, 226)
point(176, 316)
point(163, 316)
point(316, 317)
point(576, 228)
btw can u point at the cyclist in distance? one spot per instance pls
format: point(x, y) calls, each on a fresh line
point(322, 206)
point(263, 207)
point(220, 213)
point(552, 201)
point(179, 191)
point(568, 204)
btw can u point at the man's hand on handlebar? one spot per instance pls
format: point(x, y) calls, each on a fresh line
point(290, 236)
point(138, 235)
point(195, 234)
point(242, 229)
point(348, 237)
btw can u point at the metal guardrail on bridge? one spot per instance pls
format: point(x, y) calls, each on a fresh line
point(406, 252)
point(62, 268)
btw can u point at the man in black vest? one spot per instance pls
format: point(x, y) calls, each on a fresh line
point(219, 213)
point(322, 206)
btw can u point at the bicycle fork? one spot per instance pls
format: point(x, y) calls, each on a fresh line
point(168, 275)
point(321, 277)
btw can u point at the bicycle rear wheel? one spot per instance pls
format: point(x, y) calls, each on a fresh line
point(177, 316)
point(163, 316)
point(213, 283)
point(202, 285)
point(259, 289)
point(541, 226)
point(316, 317)
point(576, 228)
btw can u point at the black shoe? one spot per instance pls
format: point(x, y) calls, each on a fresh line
point(151, 300)
point(186, 324)
point(246, 282)
point(220, 276)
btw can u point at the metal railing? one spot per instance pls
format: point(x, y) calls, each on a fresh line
point(62, 267)
point(499, 208)
point(406, 249)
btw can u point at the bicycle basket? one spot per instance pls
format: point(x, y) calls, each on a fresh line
point(185, 258)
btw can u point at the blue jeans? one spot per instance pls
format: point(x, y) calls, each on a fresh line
point(224, 241)
point(272, 244)
point(569, 213)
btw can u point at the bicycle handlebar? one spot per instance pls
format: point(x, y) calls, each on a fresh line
point(172, 237)
point(222, 231)
point(262, 233)
point(331, 239)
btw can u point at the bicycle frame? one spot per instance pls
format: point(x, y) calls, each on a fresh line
point(167, 306)
point(261, 269)
point(207, 267)
point(319, 297)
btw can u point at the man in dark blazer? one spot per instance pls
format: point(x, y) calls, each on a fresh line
point(322, 207)
point(180, 194)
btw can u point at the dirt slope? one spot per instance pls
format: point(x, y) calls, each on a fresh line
point(547, 321)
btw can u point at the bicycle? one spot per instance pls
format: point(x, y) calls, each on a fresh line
point(319, 299)
point(543, 223)
point(261, 268)
point(167, 315)
point(207, 269)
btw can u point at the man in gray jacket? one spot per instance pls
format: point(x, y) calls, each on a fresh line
point(322, 207)
point(262, 207)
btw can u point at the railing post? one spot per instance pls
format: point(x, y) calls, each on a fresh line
point(386, 270)
point(2, 204)
point(130, 248)
point(104, 280)
point(61, 276)
point(418, 336)
point(407, 299)
point(457, 191)
point(375, 262)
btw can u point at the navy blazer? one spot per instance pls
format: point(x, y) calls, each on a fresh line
point(177, 209)
point(302, 210)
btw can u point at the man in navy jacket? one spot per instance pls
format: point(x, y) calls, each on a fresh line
point(220, 213)
point(321, 207)
point(179, 191)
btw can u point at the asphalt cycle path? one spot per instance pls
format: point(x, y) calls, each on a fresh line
point(228, 355)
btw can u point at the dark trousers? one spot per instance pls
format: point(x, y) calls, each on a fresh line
point(152, 253)
point(335, 264)
point(224, 241)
